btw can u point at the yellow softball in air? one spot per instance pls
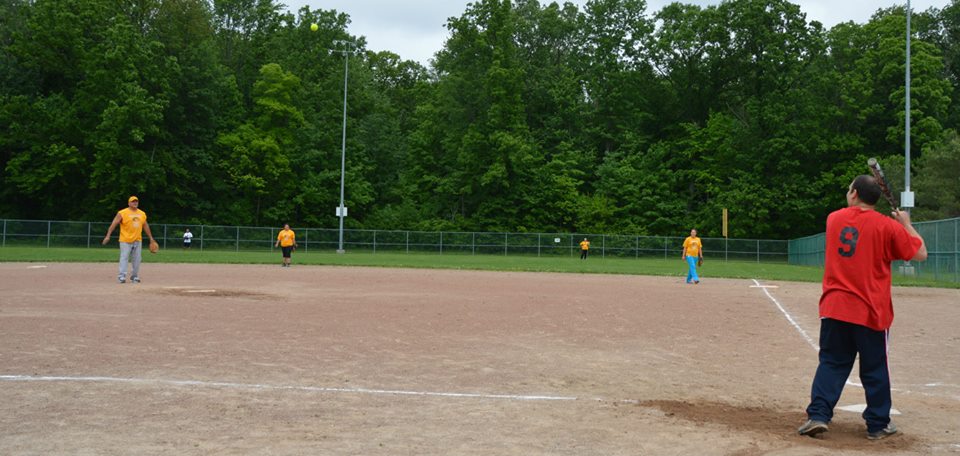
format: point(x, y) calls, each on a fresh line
point(314, 27)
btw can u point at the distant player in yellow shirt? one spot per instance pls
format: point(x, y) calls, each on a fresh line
point(287, 241)
point(584, 248)
point(132, 223)
point(692, 252)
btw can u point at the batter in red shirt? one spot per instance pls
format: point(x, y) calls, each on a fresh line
point(856, 309)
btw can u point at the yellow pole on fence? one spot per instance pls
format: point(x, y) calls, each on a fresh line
point(725, 222)
point(726, 248)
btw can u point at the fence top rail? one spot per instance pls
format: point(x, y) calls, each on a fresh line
point(930, 222)
point(224, 226)
point(812, 236)
point(49, 221)
point(486, 233)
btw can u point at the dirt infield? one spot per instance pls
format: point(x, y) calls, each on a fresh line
point(264, 360)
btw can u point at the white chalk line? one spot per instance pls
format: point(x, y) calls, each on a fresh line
point(263, 387)
point(789, 317)
point(947, 385)
point(817, 347)
point(797, 325)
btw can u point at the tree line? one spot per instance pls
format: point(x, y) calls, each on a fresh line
point(532, 117)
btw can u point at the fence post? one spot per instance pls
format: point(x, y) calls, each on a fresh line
point(164, 236)
point(408, 242)
point(48, 234)
point(538, 245)
point(441, 242)
point(306, 239)
point(936, 242)
point(956, 249)
point(5, 233)
point(603, 246)
point(201, 238)
point(374, 241)
point(473, 244)
point(88, 232)
point(758, 251)
point(637, 251)
point(238, 239)
point(726, 249)
point(504, 244)
point(665, 248)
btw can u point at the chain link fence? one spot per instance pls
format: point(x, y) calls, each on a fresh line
point(47, 233)
point(942, 238)
point(943, 246)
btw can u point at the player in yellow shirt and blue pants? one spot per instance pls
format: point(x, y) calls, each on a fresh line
point(692, 252)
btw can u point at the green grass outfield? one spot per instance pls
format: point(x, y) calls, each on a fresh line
point(594, 265)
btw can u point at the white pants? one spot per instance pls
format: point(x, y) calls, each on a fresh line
point(130, 252)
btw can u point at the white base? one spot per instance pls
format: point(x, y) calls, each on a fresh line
point(859, 408)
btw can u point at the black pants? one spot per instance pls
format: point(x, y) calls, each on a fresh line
point(583, 254)
point(840, 342)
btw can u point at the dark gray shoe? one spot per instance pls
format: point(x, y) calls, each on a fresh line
point(813, 428)
point(883, 433)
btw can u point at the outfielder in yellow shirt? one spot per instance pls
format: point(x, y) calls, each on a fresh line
point(584, 248)
point(132, 223)
point(692, 251)
point(287, 241)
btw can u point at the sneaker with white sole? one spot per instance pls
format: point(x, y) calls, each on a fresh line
point(135, 280)
point(121, 279)
point(883, 433)
point(812, 428)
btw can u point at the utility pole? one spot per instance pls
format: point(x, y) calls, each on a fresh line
point(342, 210)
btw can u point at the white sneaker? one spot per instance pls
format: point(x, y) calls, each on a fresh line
point(883, 433)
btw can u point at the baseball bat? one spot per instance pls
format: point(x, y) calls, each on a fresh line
point(882, 180)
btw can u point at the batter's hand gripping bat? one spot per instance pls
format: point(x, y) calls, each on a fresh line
point(882, 180)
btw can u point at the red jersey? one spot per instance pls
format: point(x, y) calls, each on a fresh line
point(861, 244)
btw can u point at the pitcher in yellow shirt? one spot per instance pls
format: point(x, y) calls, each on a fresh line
point(692, 252)
point(287, 241)
point(132, 223)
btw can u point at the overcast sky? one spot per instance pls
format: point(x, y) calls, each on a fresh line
point(414, 29)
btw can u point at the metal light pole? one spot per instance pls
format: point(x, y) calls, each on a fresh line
point(342, 211)
point(906, 198)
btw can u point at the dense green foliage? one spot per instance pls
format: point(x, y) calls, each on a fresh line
point(533, 117)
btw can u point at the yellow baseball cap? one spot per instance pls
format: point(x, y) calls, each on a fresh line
point(132, 199)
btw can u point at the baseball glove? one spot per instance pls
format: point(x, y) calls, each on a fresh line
point(154, 247)
point(700, 262)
